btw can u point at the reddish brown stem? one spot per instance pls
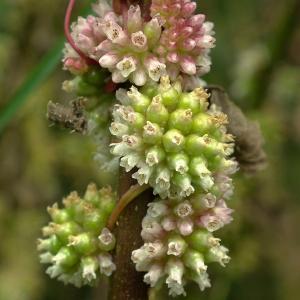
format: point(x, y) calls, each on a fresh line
point(127, 283)
point(68, 35)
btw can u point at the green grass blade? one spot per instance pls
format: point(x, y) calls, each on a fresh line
point(41, 72)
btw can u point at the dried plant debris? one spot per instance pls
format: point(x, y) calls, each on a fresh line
point(249, 140)
point(71, 117)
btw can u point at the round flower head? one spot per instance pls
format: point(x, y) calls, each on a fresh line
point(76, 242)
point(175, 140)
point(186, 39)
point(183, 231)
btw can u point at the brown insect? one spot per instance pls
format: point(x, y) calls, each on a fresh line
point(71, 117)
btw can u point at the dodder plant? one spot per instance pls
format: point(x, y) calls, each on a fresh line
point(137, 77)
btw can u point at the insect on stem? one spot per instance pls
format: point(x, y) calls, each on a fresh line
point(130, 195)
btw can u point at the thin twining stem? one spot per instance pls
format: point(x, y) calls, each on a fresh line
point(68, 35)
point(130, 195)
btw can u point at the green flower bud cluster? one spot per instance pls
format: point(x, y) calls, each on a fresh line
point(175, 139)
point(88, 84)
point(76, 243)
point(179, 241)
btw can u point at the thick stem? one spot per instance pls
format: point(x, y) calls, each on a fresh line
point(127, 284)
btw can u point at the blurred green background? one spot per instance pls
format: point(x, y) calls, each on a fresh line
point(257, 61)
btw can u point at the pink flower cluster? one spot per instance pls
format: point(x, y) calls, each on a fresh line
point(187, 39)
point(174, 41)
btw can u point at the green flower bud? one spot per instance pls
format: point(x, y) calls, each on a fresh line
point(173, 141)
point(181, 119)
point(83, 243)
point(66, 257)
point(63, 231)
point(194, 260)
point(178, 162)
point(95, 76)
point(152, 133)
point(199, 240)
point(154, 155)
point(91, 195)
point(156, 112)
point(58, 215)
point(202, 124)
point(94, 221)
point(186, 101)
point(89, 266)
point(139, 102)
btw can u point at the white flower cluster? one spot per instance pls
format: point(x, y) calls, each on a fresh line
point(179, 242)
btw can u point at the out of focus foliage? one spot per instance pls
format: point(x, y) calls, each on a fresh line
point(256, 60)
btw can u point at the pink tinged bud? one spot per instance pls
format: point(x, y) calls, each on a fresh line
point(210, 222)
point(104, 47)
point(188, 9)
point(189, 44)
point(152, 230)
point(108, 60)
point(139, 40)
point(168, 223)
point(126, 66)
point(222, 212)
point(188, 66)
point(155, 272)
point(173, 57)
point(134, 20)
point(185, 226)
point(196, 20)
point(186, 32)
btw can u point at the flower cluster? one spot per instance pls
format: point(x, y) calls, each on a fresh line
point(186, 39)
point(177, 142)
point(174, 40)
point(76, 242)
point(179, 242)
